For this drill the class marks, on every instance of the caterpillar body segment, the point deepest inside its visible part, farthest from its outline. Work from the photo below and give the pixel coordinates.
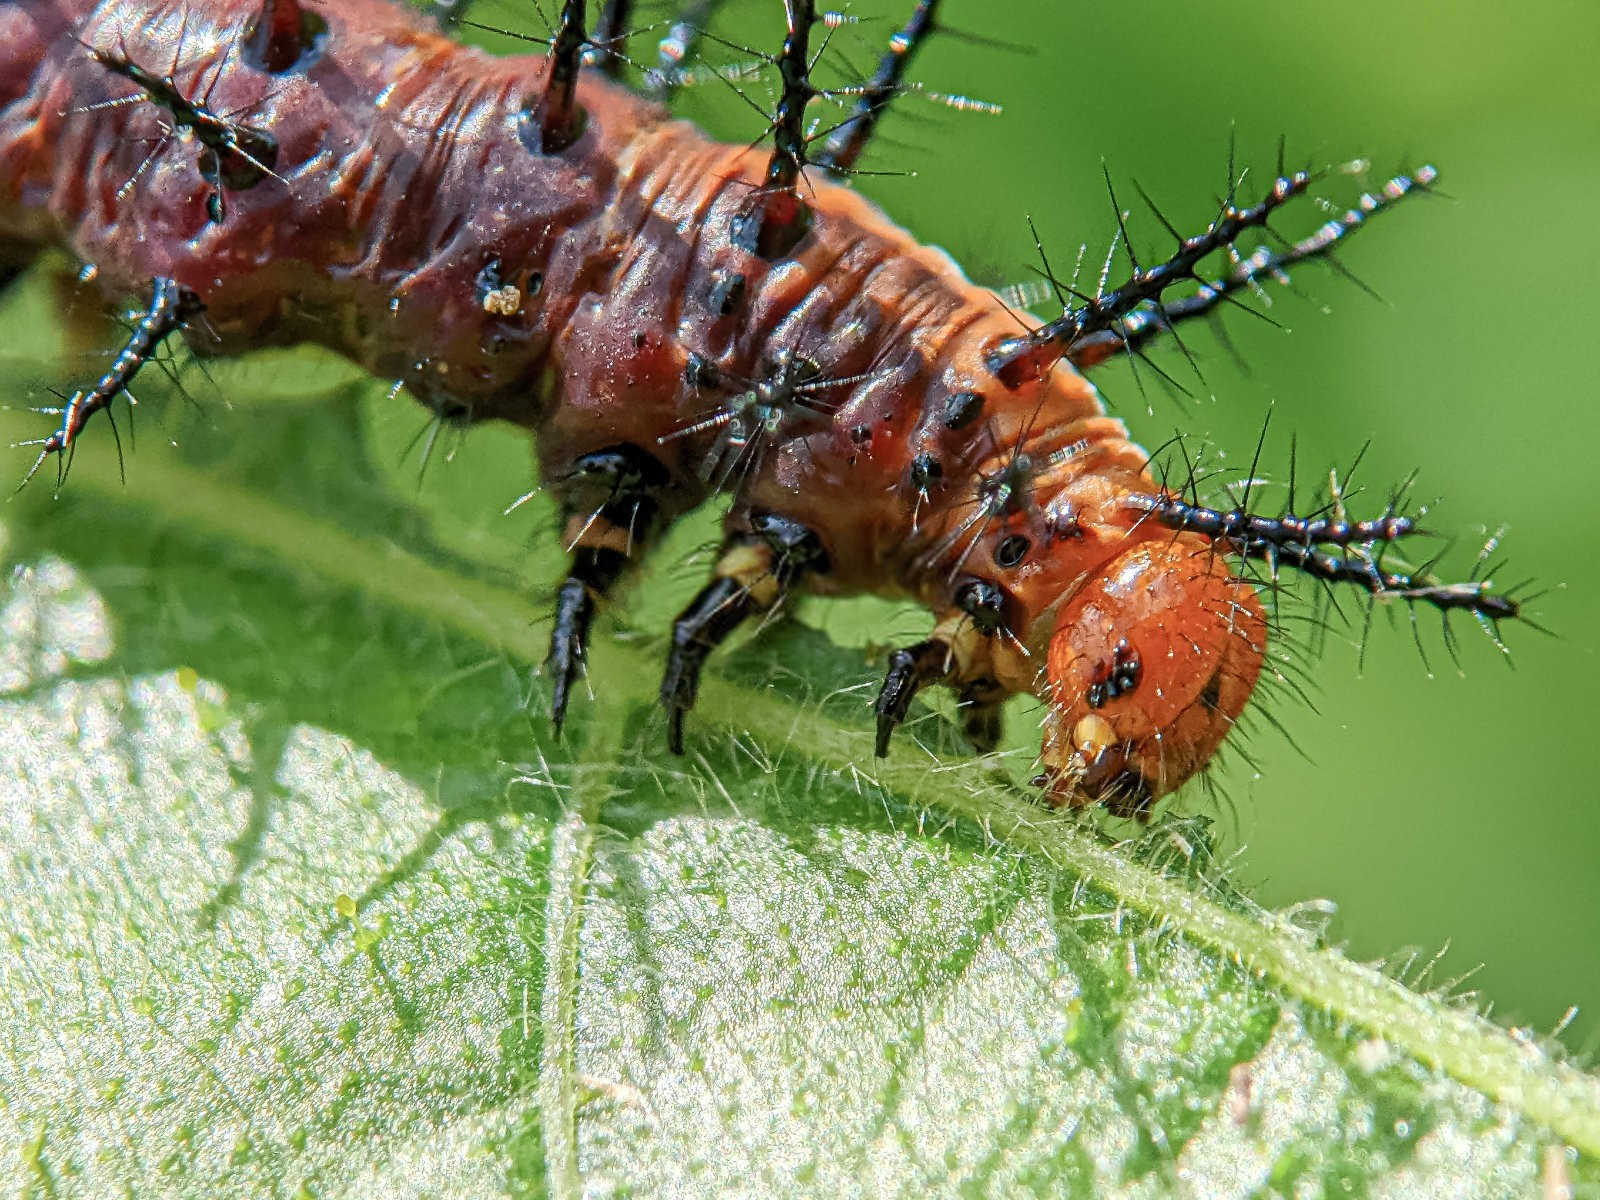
(521, 239)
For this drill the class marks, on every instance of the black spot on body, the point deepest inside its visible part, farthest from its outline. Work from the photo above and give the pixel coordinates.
(536, 139)
(961, 409)
(283, 36)
(1011, 550)
(984, 602)
(727, 293)
(1061, 522)
(925, 470)
(236, 170)
(489, 280)
(1126, 669)
(796, 545)
(773, 227)
(1118, 677)
(702, 373)
(623, 468)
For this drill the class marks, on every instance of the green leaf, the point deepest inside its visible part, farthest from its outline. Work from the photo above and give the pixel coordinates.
(302, 898)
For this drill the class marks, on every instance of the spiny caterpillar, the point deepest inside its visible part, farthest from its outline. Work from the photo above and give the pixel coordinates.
(524, 239)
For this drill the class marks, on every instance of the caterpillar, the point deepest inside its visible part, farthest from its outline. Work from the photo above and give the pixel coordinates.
(523, 239)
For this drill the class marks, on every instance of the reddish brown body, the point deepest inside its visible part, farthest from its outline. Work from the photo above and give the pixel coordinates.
(411, 228)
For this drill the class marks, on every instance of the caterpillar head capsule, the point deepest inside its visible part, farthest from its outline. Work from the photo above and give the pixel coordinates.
(1150, 664)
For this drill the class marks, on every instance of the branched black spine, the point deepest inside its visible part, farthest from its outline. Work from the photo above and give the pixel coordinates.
(845, 144)
(1144, 324)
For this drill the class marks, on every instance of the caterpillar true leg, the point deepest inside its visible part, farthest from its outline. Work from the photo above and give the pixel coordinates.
(754, 572)
(910, 669)
(591, 576)
(611, 497)
(171, 307)
(958, 653)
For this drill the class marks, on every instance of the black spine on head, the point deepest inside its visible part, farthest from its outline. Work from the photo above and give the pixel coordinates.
(1299, 543)
(1240, 525)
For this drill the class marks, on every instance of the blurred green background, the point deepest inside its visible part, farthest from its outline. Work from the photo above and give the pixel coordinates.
(1452, 808)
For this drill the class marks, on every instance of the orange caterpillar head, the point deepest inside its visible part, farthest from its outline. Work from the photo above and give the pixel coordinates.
(1150, 664)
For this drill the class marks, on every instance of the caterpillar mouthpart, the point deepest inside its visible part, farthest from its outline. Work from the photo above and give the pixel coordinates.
(1150, 664)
